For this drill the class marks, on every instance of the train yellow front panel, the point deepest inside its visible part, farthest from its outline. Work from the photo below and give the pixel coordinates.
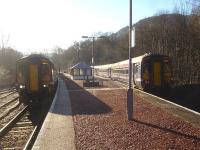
(157, 73)
(33, 78)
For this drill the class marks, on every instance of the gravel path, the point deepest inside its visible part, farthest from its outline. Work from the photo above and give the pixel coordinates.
(100, 122)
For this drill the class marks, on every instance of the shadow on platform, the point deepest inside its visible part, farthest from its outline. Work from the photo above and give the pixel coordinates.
(83, 102)
(185, 95)
(167, 130)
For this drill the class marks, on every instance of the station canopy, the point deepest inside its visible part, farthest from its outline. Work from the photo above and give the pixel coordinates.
(81, 71)
(81, 65)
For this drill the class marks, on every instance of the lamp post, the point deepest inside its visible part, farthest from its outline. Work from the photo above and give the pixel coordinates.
(77, 46)
(93, 38)
(130, 89)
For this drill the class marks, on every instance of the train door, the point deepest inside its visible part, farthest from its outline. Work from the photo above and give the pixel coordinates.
(157, 73)
(33, 78)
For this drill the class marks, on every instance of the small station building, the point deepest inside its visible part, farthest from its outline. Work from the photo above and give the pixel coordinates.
(81, 71)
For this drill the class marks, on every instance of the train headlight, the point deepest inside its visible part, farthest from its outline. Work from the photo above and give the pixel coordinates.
(21, 86)
(44, 85)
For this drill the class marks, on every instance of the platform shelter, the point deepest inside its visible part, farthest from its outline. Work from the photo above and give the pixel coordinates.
(81, 71)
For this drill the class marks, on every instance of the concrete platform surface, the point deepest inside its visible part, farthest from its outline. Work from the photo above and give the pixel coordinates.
(57, 132)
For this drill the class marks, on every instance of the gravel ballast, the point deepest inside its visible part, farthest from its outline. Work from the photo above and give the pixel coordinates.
(100, 122)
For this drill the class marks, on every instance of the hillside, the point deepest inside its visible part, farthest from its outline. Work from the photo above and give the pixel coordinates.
(171, 34)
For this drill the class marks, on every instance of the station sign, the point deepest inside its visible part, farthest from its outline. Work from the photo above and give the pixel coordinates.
(133, 37)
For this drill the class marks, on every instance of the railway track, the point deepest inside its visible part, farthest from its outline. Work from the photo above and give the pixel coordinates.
(16, 129)
(9, 105)
(7, 94)
(9, 109)
(7, 90)
(19, 132)
(19, 124)
(8, 102)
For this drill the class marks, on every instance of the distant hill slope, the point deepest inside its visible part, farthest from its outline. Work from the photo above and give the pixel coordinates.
(175, 35)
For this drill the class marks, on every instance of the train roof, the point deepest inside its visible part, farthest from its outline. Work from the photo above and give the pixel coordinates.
(125, 63)
(33, 57)
(121, 63)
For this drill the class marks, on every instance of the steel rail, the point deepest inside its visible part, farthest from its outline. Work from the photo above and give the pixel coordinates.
(31, 139)
(12, 100)
(5, 129)
(8, 95)
(6, 90)
(8, 111)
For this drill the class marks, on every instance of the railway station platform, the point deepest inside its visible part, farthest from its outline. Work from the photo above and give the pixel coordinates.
(57, 131)
(96, 118)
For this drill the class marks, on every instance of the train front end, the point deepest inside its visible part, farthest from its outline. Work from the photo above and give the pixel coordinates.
(156, 72)
(34, 78)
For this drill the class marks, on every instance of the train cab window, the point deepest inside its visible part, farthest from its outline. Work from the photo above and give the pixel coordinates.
(46, 72)
(145, 72)
(45, 69)
(20, 74)
(166, 68)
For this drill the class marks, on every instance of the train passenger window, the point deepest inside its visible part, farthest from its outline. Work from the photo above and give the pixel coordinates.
(125, 71)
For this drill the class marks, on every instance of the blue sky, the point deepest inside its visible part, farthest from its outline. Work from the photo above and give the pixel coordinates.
(38, 25)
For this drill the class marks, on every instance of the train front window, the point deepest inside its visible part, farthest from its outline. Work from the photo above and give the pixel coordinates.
(45, 71)
(166, 68)
(167, 71)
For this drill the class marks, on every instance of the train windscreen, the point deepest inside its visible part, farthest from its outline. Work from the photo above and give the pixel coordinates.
(167, 71)
(46, 72)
